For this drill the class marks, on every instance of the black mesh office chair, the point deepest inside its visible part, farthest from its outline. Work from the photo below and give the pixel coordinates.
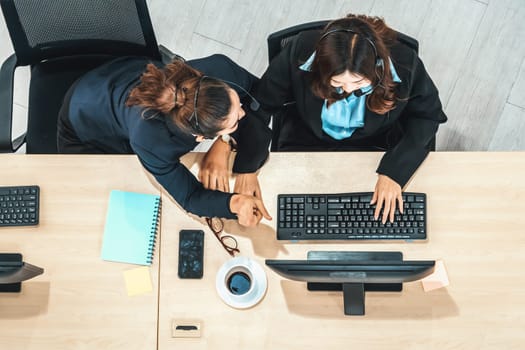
(278, 40)
(60, 40)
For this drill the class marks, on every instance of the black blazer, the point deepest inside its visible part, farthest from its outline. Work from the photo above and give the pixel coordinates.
(415, 118)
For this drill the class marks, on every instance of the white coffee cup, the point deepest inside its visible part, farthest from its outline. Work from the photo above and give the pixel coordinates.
(241, 282)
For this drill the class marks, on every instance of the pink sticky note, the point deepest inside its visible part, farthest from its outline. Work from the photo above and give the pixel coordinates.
(438, 279)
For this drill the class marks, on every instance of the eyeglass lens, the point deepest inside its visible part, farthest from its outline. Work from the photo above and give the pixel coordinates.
(228, 242)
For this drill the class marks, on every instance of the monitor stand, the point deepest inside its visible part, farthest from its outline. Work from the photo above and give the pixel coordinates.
(354, 293)
(10, 287)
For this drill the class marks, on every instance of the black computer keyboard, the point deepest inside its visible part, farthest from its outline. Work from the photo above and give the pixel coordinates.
(347, 216)
(19, 205)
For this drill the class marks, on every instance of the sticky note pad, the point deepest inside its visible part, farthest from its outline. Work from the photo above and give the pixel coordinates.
(138, 281)
(436, 280)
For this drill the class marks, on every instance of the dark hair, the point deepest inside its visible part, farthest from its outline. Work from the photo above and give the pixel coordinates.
(342, 51)
(170, 92)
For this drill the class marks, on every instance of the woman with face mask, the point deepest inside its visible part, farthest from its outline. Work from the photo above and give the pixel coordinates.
(354, 86)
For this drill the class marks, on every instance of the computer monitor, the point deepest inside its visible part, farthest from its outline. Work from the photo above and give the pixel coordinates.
(13, 270)
(353, 273)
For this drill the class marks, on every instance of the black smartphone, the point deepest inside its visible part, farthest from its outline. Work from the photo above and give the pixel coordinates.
(191, 253)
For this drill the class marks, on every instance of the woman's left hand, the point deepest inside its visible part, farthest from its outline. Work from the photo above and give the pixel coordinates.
(387, 194)
(214, 173)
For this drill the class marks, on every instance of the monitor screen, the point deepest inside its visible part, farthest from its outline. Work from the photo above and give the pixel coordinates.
(353, 273)
(13, 270)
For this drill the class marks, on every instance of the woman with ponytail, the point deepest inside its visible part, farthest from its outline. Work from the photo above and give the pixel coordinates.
(355, 86)
(133, 105)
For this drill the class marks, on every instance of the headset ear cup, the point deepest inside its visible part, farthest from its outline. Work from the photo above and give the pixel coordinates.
(380, 72)
(254, 105)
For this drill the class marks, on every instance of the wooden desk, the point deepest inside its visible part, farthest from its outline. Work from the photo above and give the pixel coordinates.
(476, 220)
(80, 302)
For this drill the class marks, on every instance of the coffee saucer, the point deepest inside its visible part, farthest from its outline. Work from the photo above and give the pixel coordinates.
(247, 271)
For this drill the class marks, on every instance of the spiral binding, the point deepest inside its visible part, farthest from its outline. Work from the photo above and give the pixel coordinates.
(154, 230)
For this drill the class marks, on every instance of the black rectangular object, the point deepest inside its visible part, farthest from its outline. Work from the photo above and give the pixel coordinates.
(19, 205)
(191, 253)
(348, 216)
(16, 259)
(353, 273)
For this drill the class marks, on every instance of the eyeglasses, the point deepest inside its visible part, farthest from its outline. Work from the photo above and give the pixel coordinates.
(228, 242)
(194, 114)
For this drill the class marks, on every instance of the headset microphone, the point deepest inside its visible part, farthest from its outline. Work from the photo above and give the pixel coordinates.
(358, 93)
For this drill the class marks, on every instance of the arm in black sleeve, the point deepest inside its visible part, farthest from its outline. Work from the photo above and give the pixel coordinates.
(253, 135)
(420, 120)
(253, 139)
(271, 91)
(274, 88)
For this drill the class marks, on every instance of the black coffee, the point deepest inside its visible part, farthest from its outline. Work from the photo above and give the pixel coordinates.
(239, 283)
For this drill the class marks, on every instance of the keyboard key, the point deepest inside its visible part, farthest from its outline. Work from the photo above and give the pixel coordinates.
(417, 205)
(336, 205)
(365, 199)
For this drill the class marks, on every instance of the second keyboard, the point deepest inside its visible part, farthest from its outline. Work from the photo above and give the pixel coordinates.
(347, 216)
(19, 205)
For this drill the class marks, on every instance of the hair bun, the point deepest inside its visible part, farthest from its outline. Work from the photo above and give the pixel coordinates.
(180, 97)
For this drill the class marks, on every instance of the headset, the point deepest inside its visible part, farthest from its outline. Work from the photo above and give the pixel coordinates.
(379, 60)
(254, 105)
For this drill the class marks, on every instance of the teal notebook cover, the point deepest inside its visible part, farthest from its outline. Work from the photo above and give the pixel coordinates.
(131, 227)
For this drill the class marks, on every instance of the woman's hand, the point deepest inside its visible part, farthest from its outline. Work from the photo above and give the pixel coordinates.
(387, 193)
(249, 209)
(213, 172)
(248, 184)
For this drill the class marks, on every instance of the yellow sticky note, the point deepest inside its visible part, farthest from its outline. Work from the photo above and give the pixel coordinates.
(438, 279)
(138, 281)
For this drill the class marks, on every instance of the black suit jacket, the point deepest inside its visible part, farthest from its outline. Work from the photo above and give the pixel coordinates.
(415, 118)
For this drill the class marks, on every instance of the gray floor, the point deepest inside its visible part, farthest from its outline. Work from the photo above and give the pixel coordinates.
(474, 50)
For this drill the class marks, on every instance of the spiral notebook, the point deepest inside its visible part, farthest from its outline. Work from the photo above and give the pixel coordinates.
(131, 227)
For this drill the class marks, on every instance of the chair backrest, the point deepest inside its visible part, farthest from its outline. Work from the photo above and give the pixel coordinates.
(63, 39)
(408, 41)
(278, 40)
(47, 29)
